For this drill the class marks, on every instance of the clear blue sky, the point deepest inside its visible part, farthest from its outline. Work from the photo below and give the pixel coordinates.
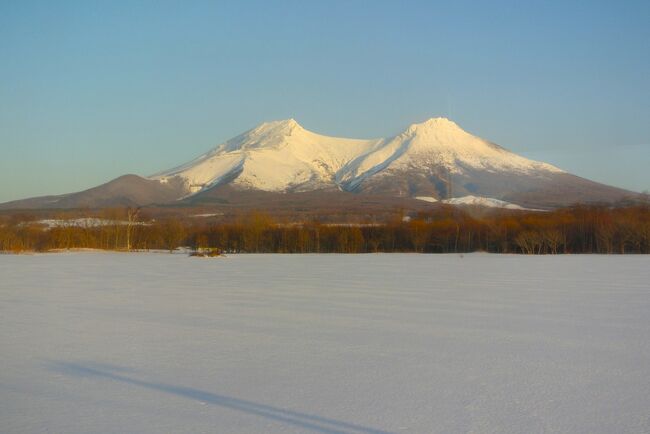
(93, 90)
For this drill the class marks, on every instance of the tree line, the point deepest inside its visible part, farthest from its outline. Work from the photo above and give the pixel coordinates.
(579, 229)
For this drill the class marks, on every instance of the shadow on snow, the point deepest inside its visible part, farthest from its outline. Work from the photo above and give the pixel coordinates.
(303, 420)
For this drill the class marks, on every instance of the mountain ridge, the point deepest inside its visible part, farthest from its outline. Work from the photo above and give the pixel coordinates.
(284, 156)
(435, 158)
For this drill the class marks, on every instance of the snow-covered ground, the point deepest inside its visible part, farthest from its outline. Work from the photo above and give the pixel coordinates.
(85, 222)
(151, 343)
(487, 202)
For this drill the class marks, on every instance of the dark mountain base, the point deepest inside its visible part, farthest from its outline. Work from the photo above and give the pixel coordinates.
(125, 191)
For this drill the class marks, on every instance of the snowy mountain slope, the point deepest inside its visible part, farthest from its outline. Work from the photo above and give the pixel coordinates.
(488, 202)
(275, 156)
(283, 156)
(440, 146)
(470, 200)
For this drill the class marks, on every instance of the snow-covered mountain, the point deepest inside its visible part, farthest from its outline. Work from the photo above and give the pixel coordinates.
(435, 159)
(282, 156)
(275, 156)
(440, 148)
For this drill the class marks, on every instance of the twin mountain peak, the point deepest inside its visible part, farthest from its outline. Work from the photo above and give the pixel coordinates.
(282, 156)
(435, 160)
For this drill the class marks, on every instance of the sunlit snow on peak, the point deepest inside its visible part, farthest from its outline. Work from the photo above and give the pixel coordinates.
(282, 156)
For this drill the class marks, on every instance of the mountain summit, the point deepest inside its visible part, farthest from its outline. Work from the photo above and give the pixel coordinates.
(274, 156)
(282, 156)
(435, 160)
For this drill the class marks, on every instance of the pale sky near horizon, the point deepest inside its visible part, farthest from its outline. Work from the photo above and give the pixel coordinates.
(93, 90)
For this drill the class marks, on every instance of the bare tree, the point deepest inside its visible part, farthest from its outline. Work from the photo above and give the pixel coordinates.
(132, 215)
(173, 233)
(529, 242)
(553, 239)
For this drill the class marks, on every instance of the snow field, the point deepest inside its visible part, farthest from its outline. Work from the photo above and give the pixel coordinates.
(118, 342)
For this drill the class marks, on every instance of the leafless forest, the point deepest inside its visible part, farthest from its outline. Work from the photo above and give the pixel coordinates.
(444, 230)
